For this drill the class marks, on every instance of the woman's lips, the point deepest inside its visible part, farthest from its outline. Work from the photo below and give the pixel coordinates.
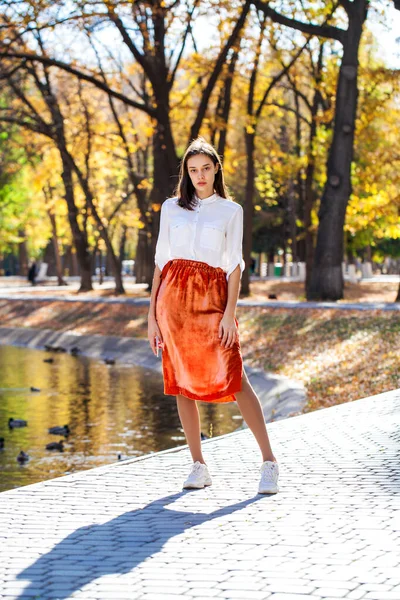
(202, 183)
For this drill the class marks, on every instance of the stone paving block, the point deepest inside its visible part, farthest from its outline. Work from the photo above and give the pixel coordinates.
(315, 572)
(370, 577)
(374, 587)
(244, 595)
(283, 596)
(114, 595)
(205, 576)
(156, 587)
(382, 596)
(24, 597)
(356, 594)
(121, 586)
(287, 588)
(241, 583)
(387, 571)
(335, 583)
(18, 592)
(202, 593)
(161, 596)
(331, 592)
(274, 581)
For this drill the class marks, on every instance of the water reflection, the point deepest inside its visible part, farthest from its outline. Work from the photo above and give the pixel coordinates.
(110, 410)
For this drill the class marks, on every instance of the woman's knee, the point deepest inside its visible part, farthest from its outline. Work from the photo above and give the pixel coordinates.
(184, 401)
(245, 380)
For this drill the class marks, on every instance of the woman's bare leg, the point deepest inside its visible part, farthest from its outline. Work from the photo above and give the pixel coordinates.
(189, 415)
(250, 407)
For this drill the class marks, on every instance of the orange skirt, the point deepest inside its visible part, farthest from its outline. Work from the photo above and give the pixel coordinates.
(190, 304)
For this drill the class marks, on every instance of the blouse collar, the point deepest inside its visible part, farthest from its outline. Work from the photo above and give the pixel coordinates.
(208, 200)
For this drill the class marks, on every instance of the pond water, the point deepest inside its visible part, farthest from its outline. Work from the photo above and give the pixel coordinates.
(110, 410)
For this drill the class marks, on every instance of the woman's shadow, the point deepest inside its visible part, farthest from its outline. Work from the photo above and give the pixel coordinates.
(115, 547)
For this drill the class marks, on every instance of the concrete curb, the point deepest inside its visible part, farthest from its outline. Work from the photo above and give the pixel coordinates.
(280, 397)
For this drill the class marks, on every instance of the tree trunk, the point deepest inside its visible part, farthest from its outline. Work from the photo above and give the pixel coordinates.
(56, 249)
(109, 267)
(309, 199)
(79, 237)
(327, 278)
(248, 211)
(144, 262)
(165, 179)
(101, 274)
(57, 134)
(122, 244)
(224, 107)
(22, 255)
(298, 251)
(291, 217)
(116, 265)
(75, 267)
(309, 192)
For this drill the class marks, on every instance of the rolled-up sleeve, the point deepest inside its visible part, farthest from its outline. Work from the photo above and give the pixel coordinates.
(162, 254)
(234, 242)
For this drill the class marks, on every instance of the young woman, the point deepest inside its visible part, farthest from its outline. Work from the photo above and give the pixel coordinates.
(192, 315)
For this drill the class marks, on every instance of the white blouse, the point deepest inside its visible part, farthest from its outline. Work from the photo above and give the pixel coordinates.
(212, 233)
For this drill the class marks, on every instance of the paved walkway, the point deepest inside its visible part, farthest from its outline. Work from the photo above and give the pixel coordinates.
(391, 306)
(127, 530)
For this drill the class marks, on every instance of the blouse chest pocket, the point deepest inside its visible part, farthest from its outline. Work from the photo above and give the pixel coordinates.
(179, 233)
(212, 236)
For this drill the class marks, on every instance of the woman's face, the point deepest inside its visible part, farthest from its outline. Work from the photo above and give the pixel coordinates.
(202, 172)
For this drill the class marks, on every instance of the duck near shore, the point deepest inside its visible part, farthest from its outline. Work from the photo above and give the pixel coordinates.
(22, 457)
(13, 423)
(49, 348)
(56, 446)
(60, 430)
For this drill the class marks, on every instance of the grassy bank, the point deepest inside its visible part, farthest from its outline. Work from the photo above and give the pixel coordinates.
(339, 355)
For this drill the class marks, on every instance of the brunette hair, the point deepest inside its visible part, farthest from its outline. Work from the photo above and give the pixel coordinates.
(185, 189)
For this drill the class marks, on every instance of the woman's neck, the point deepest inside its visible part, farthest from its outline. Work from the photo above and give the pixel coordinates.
(203, 194)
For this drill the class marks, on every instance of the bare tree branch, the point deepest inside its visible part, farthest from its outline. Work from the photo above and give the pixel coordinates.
(183, 44)
(278, 77)
(327, 31)
(84, 76)
(217, 70)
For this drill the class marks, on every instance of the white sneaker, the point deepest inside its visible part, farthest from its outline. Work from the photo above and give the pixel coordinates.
(269, 478)
(198, 478)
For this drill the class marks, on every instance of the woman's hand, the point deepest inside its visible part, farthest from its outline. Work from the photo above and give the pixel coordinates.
(152, 331)
(227, 331)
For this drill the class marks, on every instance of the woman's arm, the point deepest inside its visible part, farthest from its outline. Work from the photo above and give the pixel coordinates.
(152, 325)
(234, 239)
(228, 330)
(161, 258)
(154, 290)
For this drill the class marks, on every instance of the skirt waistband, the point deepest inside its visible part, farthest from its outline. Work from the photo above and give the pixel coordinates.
(185, 262)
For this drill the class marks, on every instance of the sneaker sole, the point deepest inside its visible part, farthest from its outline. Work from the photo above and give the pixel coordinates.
(270, 491)
(191, 486)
